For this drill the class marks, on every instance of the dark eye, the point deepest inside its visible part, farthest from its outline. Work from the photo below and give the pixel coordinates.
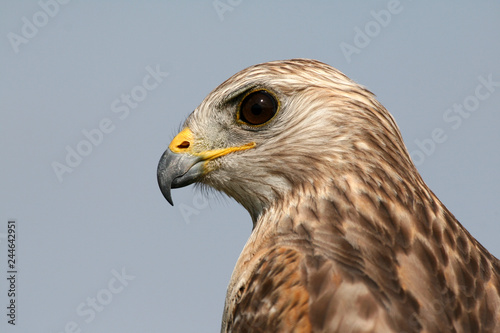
(258, 107)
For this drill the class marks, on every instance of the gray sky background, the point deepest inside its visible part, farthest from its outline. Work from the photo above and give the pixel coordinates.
(107, 217)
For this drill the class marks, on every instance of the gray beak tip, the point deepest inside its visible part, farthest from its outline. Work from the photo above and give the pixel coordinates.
(168, 196)
(177, 170)
(165, 187)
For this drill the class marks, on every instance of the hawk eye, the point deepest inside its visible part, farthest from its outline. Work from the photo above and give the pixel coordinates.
(258, 108)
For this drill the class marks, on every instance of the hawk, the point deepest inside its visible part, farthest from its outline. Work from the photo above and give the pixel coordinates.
(346, 235)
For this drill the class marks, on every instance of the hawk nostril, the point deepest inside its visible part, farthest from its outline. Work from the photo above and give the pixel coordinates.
(183, 145)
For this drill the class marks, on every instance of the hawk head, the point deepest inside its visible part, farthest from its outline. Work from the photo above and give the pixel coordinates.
(277, 126)
(341, 215)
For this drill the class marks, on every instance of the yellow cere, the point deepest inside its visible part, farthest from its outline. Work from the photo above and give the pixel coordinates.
(181, 140)
(183, 143)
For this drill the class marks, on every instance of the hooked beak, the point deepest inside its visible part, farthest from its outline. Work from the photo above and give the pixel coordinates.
(177, 170)
(180, 166)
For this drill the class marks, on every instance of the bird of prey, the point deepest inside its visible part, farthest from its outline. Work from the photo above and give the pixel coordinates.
(346, 235)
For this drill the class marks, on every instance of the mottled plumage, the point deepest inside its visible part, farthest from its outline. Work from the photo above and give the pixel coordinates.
(346, 235)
